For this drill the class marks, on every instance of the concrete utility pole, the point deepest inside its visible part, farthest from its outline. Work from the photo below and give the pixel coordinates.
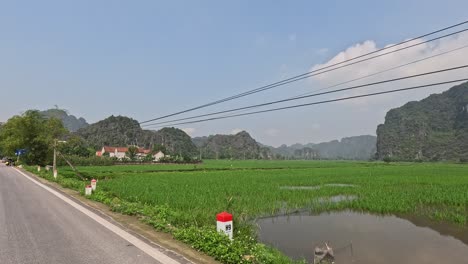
(55, 159)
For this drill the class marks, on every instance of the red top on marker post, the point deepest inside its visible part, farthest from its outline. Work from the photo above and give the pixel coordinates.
(224, 217)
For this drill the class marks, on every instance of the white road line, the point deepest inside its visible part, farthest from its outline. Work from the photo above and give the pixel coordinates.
(154, 253)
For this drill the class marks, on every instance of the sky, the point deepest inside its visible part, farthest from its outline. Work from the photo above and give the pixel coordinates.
(145, 59)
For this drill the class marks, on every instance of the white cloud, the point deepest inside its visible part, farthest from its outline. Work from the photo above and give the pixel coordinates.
(236, 130)
(189, 130)
(272, 132)
(456, 58)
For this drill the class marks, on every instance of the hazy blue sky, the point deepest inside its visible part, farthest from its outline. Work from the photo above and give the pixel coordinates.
(143, 59)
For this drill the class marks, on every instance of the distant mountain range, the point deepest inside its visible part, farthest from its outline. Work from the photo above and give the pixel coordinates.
(242, 145)
(433, 129)
(349, 148)
(238, 146)
(123, 131)
(70, 122)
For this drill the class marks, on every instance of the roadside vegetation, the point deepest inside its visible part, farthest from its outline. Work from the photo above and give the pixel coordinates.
(31, 133)
(184, 199)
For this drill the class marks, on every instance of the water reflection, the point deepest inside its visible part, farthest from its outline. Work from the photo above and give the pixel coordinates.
(374, 239)
(316, 187)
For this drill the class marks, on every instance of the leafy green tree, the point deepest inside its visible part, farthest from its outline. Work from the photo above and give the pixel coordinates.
(32, 132)
(132, 152)
(76, 146)
(148, 158)
(387, 159)
(159, 147)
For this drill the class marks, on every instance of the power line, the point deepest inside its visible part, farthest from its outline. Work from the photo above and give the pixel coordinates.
(319, 102)
(320, 71)
(383, 71)
(316, 94)
(352, 63)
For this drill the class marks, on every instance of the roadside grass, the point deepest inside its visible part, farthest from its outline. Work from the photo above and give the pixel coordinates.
(184, 201)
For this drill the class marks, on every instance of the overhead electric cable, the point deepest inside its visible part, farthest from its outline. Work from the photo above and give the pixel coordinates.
(383, 71)
(322, 70)
(312, 95)
(320, 102)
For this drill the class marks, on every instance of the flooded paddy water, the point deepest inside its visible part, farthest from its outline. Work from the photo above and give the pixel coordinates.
(316, 187)
(366, 238)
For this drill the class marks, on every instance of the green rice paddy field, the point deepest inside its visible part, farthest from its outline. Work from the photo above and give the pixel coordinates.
(189, 196)
(250, 189)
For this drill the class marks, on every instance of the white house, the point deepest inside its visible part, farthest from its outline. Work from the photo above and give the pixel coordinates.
(118, 152)
(121, 152)
(158, 156)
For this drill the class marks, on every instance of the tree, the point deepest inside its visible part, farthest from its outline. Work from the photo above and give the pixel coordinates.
(31, 132)
(148, 158)
(159, 147)
(132, 152)
(76, 146)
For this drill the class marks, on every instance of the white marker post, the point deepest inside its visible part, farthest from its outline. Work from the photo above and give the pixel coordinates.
(93, 184)
(88, 190)
(224, 224)
(38, 168)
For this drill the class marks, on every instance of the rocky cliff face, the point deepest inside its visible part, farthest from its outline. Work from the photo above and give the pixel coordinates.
(124, 131)
(238, 146)
(349, 148)
(435, 128)
(70, 122)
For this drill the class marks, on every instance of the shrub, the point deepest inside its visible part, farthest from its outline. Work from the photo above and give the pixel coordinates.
(387, 159)
(85, 161)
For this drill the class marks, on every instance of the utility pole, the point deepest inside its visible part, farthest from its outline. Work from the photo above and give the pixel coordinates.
(55, 159)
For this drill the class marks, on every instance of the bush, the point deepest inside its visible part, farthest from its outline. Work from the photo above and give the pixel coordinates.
(387, 159)
(85, 161)
(179, 159)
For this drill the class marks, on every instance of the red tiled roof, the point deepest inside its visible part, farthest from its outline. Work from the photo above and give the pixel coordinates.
(144, 151)
(121, 149)
(124, 149)
(112, 149)
(109, 149)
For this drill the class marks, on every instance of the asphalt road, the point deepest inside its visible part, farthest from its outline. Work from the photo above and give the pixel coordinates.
(36, 226)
